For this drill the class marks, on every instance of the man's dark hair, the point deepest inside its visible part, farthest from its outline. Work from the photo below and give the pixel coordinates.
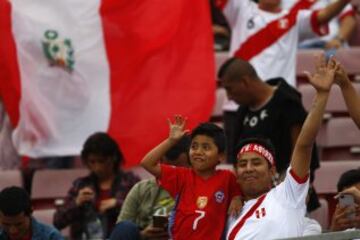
(15, 200)
(102, 144)
(213, 131)
(348, 179)
(265, 142)
(235, 68)
(180, 147)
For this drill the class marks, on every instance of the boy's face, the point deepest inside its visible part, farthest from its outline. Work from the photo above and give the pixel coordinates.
(17, 226)
(204, 154)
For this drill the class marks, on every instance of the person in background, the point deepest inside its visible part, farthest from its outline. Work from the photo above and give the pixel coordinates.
(16, 220)
(93, 202)
(146, 198)
(341, 27)
(349, 183)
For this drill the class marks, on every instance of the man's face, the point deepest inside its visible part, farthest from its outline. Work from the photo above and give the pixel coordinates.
(204, 154)
(16, 227)
(254, 174)
(236, 90)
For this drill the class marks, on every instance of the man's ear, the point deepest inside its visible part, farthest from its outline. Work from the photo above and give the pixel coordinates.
(273, 171)
(246, 81)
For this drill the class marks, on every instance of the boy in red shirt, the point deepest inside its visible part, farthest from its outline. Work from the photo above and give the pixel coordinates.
(203, 193)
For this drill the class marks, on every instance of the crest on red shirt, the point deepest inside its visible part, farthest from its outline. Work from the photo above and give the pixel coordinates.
(201, 202)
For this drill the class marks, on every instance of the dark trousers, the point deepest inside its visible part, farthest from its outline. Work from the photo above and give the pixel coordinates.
(125, 230)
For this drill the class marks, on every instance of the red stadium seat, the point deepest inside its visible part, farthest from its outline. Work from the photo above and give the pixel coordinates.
(140, 172)
(322, 214)
(339, 139)
(50, 185)
(335, 106)
(10, 178)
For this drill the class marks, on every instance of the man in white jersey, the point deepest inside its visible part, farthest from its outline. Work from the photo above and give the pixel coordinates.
(340, 28)
(271, 213)
(267, 36)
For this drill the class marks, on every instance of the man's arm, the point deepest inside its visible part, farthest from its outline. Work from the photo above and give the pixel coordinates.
(330, 11)
(151, 161)
(322, 80)
(352, 98)
(346, 28)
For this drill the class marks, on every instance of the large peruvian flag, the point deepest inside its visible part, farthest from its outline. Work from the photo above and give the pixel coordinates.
(69, 68)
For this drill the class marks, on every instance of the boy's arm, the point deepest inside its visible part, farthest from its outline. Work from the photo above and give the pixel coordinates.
(151, 161)
(321, 80)
(352, 98)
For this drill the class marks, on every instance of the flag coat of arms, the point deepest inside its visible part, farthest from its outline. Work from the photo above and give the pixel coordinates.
(71, 68)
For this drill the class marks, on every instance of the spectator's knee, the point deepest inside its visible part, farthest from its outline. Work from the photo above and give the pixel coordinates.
(125, 230)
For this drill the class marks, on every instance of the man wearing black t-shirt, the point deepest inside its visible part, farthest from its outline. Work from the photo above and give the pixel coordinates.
(271, 109)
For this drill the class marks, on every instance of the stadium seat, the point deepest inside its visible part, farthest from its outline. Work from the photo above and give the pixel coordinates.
(335, 106)
(50, 185)
(339, 139)
(140, 172)
(327, 176)
(322, 214)
(348, 57)
(10, 178)
(217, 113)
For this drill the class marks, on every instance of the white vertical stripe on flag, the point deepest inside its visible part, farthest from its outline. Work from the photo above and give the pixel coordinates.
(59, 108)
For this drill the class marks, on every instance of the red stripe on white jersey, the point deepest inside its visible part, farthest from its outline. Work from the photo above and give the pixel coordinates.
(347, 13)
(271, 33)
(240, 224)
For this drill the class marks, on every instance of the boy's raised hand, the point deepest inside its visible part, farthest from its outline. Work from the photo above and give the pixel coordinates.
(177, 130)
(324, 75)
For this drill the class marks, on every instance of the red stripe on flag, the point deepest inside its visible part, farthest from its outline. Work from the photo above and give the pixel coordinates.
(271, 33)
(240, 224)
(161, 64)
(9, 71)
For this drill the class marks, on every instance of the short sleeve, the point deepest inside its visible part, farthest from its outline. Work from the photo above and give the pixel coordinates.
(347, 11)
(172, 178)
(293, 190)
(308, 25)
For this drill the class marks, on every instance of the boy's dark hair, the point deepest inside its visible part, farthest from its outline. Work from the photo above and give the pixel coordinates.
(15, 200)
(234, 68)
(348, 179)
(180, 147)
(213, 131)
(102, 144)
(265, 142)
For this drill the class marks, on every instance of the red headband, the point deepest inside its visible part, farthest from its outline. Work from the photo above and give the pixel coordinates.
(259, 149)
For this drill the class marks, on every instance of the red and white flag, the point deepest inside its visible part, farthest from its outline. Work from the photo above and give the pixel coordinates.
(70, 68)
